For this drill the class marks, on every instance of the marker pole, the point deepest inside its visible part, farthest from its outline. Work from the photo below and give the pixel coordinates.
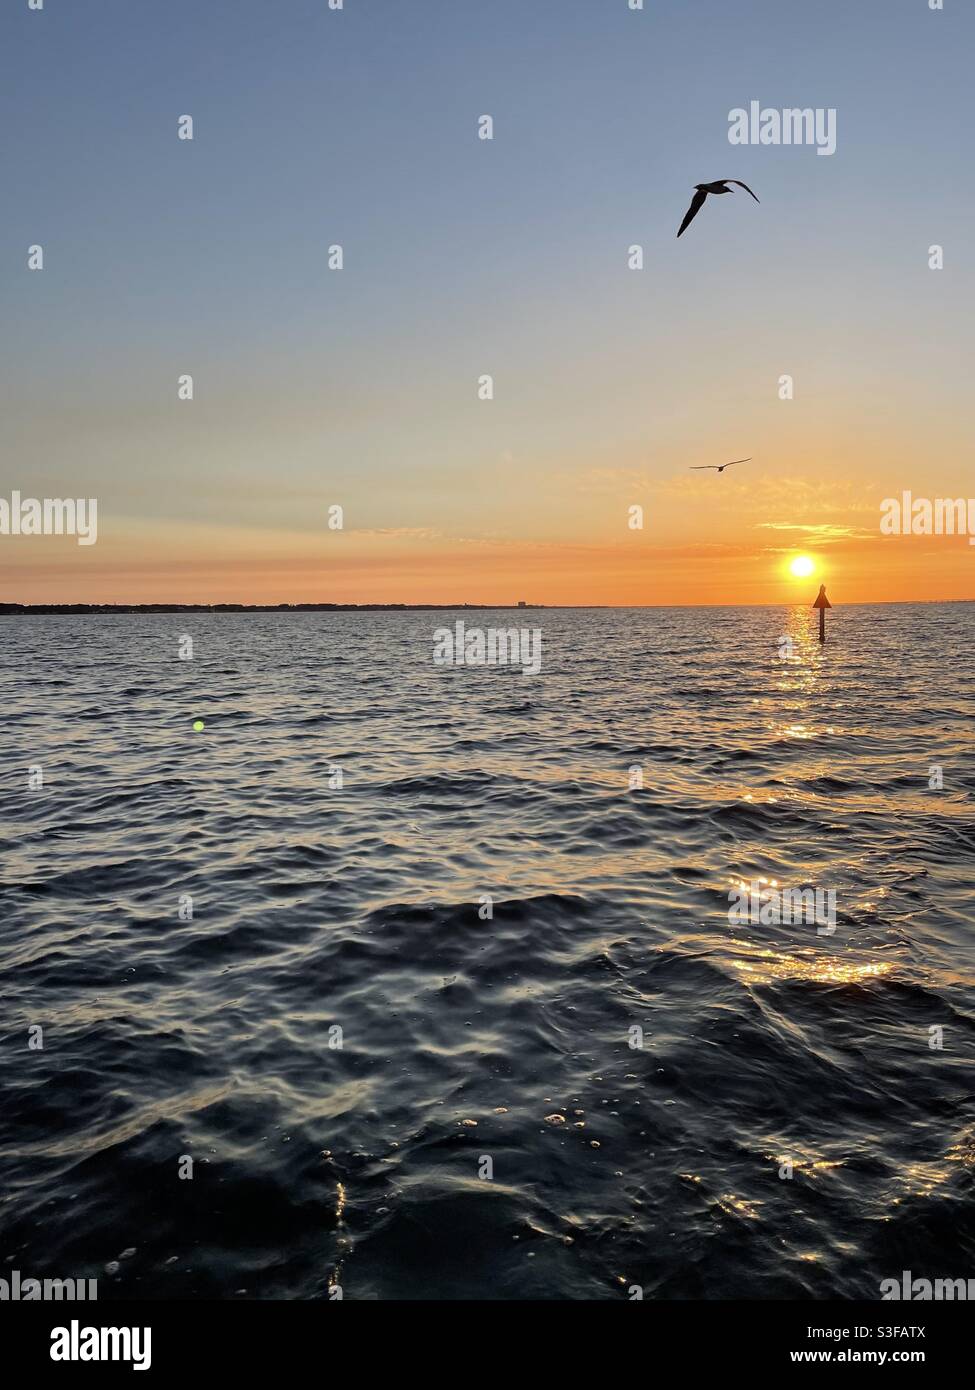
(822, 603)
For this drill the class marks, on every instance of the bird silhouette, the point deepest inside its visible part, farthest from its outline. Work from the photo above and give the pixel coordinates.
(719, 467)
(703, 189)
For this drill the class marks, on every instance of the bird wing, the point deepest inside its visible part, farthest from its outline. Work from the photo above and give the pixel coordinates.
(744, 186)
(696, 467)
(692, 211)
(728, 465)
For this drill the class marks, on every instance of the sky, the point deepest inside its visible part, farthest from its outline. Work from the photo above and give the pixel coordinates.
(462, 257)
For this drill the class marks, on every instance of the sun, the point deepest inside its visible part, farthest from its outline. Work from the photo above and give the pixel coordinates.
(802, 567)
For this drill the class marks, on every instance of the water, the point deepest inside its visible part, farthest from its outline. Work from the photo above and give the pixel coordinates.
(316, 907)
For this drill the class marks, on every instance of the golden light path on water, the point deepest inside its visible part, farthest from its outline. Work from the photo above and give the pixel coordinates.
(766, 966)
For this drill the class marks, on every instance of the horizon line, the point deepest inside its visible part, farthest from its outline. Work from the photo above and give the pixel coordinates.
(100, 609)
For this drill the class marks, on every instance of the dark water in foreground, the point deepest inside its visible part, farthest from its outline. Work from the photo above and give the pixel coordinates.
(316, 907)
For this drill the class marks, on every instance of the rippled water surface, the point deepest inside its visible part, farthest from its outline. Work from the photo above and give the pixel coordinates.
(472, 1042)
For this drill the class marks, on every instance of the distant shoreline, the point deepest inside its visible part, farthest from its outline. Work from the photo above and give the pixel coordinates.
(14, 610)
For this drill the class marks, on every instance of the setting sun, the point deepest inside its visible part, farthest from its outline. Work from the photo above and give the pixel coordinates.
(802, 567)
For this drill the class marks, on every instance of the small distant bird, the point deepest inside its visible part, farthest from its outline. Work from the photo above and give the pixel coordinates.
(719, 467)
(703, 189)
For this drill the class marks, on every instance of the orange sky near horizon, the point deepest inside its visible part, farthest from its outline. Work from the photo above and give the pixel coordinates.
(148, 563)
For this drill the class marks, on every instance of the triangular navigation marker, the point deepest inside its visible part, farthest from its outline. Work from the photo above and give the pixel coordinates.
(822, 603)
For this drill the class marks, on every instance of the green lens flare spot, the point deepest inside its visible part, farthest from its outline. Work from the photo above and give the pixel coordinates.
(198, 725)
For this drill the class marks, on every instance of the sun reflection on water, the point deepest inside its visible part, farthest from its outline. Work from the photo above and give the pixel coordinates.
(767, 966)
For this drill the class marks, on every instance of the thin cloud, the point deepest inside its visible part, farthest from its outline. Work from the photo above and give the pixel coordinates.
(826, 533)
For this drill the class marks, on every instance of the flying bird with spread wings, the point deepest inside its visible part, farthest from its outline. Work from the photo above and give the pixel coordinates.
(703, 189)
(719, 467)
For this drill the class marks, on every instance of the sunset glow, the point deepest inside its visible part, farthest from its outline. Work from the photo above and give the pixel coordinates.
(253, 386)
